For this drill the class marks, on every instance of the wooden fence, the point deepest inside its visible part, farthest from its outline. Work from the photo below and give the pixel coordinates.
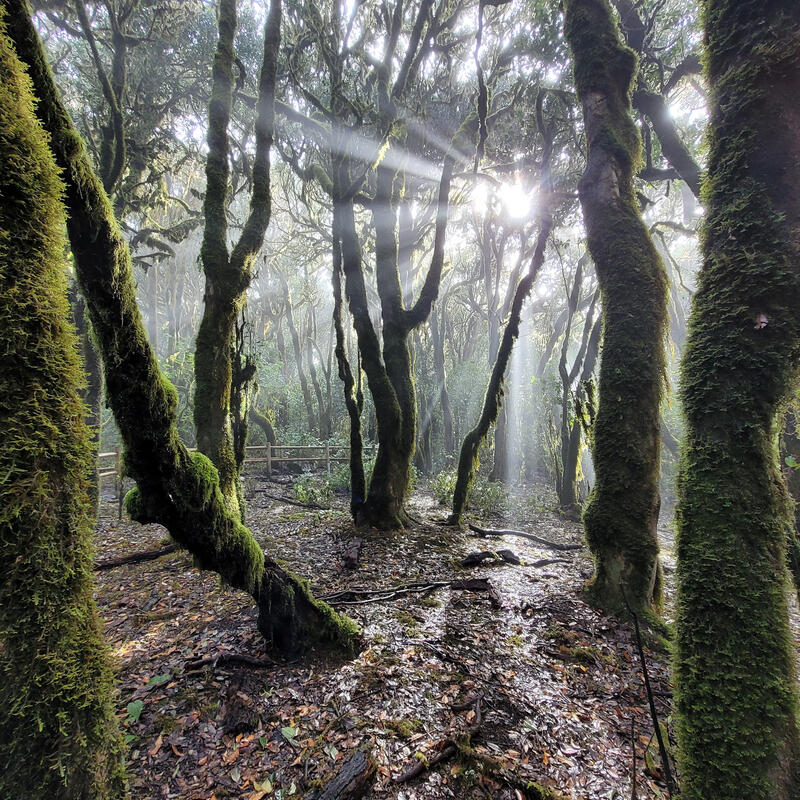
(108, 464)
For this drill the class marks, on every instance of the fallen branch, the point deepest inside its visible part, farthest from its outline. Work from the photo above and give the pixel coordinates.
(545, 562)
(352, 781)
(476, 559)
(538, 539)
(136, 558)
(291, 502)
(447, 749)
(357, 597)
(228, 660)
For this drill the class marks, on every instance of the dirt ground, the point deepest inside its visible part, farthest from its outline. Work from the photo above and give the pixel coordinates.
(551, 689)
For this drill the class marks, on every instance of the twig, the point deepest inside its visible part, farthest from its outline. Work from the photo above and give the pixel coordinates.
(136, 558)
(538, 539)
(650, 699)
(290, 501)
(633, 768)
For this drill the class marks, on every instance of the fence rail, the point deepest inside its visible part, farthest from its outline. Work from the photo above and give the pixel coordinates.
(109, 463)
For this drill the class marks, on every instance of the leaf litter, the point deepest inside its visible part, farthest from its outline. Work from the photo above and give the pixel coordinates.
(556, 683)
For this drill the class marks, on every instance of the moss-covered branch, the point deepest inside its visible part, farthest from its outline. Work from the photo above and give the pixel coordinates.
(175, 488)
(59, 734)
(622, 513)
(736, 679)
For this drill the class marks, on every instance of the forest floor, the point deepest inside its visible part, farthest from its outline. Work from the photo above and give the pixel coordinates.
(550, 688)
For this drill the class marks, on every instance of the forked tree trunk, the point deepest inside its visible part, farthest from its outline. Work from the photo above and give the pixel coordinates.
(228, 274)
(59, 733)
(736, 678)
(175, 488)
(622, 513)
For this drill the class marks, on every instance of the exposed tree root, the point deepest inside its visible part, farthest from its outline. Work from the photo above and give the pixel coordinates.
(136, 558)
(486, 532)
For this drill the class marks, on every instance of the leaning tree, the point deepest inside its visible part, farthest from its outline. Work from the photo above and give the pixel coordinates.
(176, 488)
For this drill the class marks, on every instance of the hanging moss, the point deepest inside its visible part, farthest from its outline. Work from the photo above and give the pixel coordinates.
(622, 513)
(59, 736)
(735, 666)
(175, 488)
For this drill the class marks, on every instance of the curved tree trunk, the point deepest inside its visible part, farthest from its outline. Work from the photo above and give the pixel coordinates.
(468, 459)
(622, 513)
(60, 737)
(736, 676)
(175, 488)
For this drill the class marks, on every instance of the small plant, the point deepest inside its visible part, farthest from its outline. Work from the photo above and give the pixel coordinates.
(313, 490)
(443, 485)
(488, 497)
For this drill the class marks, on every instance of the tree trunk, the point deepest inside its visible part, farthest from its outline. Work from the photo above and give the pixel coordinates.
(736, 688)
(175, 488)
(622, 513)
(60, 737)
(438, 333)
(468, 459)
(228, 274)
(298, 354)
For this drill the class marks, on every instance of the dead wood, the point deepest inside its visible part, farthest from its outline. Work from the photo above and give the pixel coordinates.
(352, 781)
(136, 558)
(545, 562)
(447, 749)
(229, 660)
(289, 500)
(352, 554)
(538, 539)
(476, 559)
(356, 597)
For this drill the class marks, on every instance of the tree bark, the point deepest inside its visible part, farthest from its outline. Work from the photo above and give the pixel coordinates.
(60, 737)
(175, 488)
(622, 513)
(228, 274)
(468, 459)
(736, 689)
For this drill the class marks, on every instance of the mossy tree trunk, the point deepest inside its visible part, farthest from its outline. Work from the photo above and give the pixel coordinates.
(736, 688)
(60, 737)
(228, 274)
(175, 488)
(622, 513)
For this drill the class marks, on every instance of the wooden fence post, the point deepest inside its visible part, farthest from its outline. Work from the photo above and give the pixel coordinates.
(269, 459)
(118, 466)
(328, 457)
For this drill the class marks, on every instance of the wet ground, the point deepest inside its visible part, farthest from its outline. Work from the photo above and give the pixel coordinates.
(559, 685)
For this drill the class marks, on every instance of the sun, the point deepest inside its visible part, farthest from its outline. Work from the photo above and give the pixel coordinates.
(514, 200)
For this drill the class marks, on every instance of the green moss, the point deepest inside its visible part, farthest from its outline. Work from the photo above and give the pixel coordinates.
(735, 671)
(60, 737)
(622, 512)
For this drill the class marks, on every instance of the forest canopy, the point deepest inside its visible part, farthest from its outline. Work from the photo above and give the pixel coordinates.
(431, 270)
